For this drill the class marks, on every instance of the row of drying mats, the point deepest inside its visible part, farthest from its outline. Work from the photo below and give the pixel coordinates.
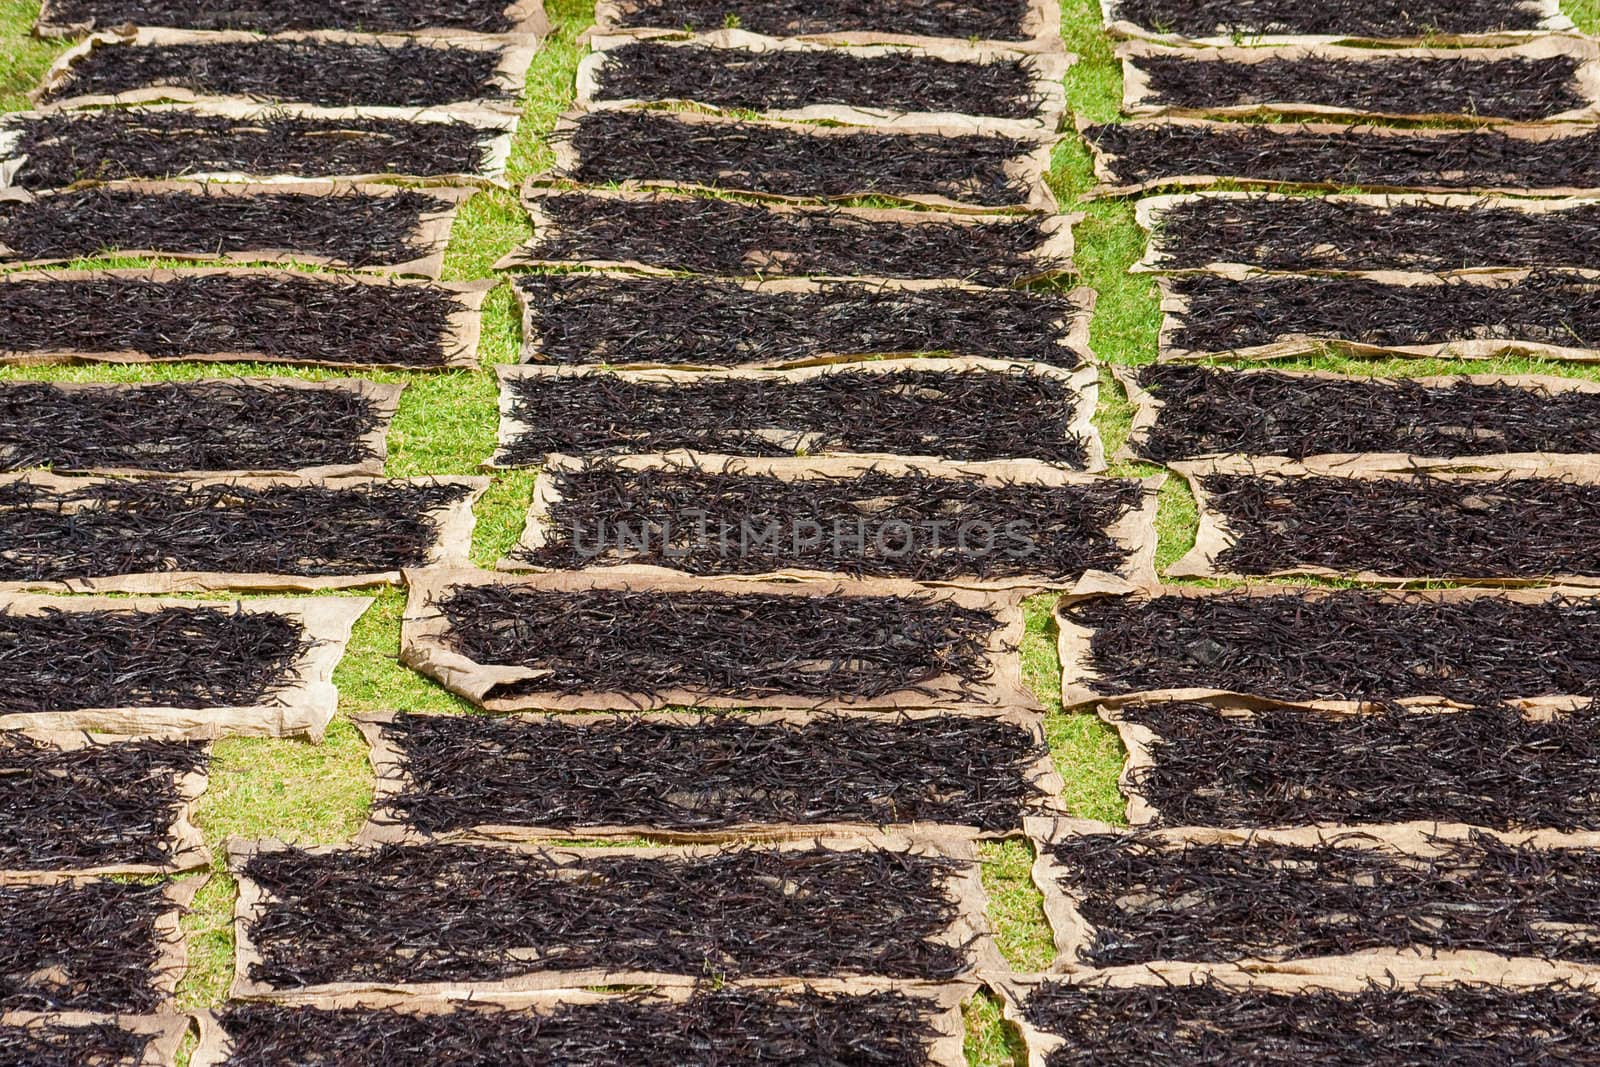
(455, 925)
(1344, 848)
(106, 743)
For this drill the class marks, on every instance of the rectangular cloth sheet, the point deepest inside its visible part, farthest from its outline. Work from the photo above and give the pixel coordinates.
(629, 321)
(1001, 525)
(72, 18)
(964, 409)
(1539, 159)
(916, 1024)
(106, 1040)
(261, 667)
(628, 639)
(92, 944)
(703, 776)
(171, 536)
(243, 140)
(215, 314)
(1439, 22)
(326, 69)
(1341, 649)
(80, 803)
(937, 166)
(1549, 79)
(245, 426)
(1475, 522)
(672, 233)
(1231, 762)
(1254, 1017)
(1412, 233)
(385, 229)
(509, 917)
(1186, 411)
(1539, 314)
(1023, 25)
(1328, 895)
(968, 87)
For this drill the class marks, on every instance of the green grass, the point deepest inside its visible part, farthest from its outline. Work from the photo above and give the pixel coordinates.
(446, 425)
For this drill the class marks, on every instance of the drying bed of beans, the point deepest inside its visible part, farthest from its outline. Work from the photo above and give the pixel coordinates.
(799, 161)
(470, 913)
(1387, 19)
(354, 228)
(1167, 1024)
(1147, 898)
(918, 523)
(324, 73)
(961, 411)
(784, 80)
(276, 317)
(1523, 88)
(1208, 411)
(91, 806)
(1488, 765)
(704, 235)
(1343, 644)
(710, 773)
(198, 657)
(93, 946)
(728, 1024)
(1413, 525)
(1002, 20)
(1150, 154)
(1554, 309)
(370, 16)
(588, 319)
(1314, 233)
(174, 427)
(65, 147)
